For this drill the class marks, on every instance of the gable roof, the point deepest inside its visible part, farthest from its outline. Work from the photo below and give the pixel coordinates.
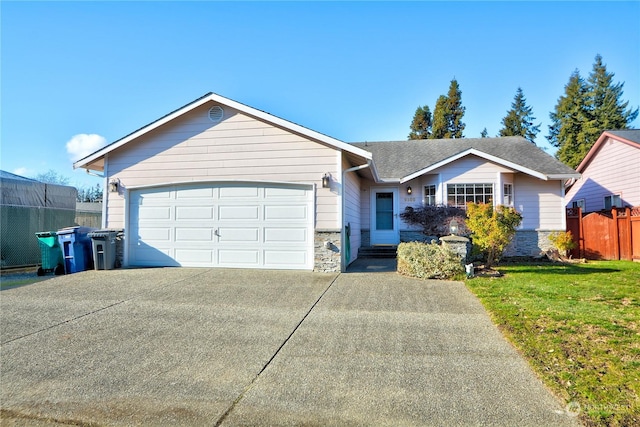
(401, 161)
(627, 136)
(94, 161)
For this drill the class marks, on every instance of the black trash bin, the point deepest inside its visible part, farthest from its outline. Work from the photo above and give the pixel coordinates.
(103, 243)
(76, 248)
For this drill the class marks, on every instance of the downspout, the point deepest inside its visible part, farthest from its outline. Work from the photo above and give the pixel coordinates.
(343, 236)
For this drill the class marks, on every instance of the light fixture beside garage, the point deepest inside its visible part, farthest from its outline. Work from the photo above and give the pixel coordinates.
(409, 190)
(113, 186)
(326, 180)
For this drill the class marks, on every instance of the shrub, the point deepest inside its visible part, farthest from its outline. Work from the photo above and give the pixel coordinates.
(492, 229)
(563, 241)
(428, 261)
(434, 220)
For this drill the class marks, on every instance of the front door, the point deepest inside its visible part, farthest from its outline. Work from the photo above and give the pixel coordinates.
(384, 216)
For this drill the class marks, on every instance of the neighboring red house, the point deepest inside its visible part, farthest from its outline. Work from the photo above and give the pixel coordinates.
(610, 173)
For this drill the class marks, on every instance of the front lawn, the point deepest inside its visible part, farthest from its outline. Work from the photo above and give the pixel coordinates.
(579, 327)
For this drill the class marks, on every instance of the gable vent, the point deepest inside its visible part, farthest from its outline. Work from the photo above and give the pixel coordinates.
(215, 114)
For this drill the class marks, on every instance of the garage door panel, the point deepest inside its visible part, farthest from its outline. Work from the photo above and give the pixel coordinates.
(154, 212)
(186, 235)
(194, 212)
(280, 192)
(285, 212)
(234, 257)
(285, 235)
(160, 234)
(233, 213)
(235, 192)
(204, 257)
(195, 193)
(278, 259)
(238, 235)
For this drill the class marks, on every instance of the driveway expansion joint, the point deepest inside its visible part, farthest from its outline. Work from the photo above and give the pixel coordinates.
(266, 365)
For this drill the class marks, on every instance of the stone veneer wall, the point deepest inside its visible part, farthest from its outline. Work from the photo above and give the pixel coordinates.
(327, 257)
(530, 243)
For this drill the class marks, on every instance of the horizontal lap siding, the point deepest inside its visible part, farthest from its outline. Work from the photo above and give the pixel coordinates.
(613, 170)
(352, 209)
(192, 148)
(540, 203)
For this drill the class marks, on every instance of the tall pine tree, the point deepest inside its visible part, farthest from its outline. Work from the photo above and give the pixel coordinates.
(586, 109)
(519, 120)
(440, 119)
(447, 116)
(608, 109)
(421, 124)
(570, 122)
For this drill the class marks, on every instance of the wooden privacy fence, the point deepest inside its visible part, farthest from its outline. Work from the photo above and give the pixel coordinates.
(608, 235)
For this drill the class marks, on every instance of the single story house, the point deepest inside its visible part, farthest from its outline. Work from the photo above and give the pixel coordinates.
(217, 183)
(610, 173)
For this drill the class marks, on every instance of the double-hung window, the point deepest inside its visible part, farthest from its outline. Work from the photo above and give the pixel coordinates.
(507, 195)
(430, 195)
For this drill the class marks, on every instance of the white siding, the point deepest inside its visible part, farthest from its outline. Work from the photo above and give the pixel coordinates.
(191, 149)
(352, 209)
(540, 203)
(614, 169)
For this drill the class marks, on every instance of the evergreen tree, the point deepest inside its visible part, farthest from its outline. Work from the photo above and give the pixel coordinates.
(456, 110)
(585, 111)
(570, 122)
(519, 120)
(609, 111)
(484, 133)
(440, 124)
(447, 116)
(421, 124)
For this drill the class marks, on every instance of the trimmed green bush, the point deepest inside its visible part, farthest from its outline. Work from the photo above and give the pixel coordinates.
(428, 261)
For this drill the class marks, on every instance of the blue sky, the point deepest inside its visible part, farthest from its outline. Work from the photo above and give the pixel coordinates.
(353, 70)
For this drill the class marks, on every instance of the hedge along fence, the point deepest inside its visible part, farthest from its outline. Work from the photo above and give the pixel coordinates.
(428, 261)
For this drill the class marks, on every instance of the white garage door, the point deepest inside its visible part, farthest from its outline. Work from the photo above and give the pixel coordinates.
(243, 225)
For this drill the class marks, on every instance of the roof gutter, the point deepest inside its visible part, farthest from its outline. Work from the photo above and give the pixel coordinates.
(343, 232)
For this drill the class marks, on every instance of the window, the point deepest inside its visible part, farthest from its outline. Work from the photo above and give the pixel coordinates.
(612, 200)
(460, 194)
(507, 195)
(578, 204)
(430, 195)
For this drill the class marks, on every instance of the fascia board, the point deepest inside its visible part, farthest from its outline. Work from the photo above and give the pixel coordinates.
(473, 151)
(237, 106)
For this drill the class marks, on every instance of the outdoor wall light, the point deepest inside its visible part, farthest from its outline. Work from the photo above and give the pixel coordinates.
(113, 186)
(326, 180)
(409, 190)
(453, 227)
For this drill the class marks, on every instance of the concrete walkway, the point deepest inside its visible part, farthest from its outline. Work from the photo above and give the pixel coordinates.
(235, 347)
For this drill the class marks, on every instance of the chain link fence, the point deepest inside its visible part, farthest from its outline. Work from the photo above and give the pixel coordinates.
(19, 225)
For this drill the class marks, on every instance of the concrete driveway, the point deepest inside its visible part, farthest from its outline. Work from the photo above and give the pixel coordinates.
(179, 346)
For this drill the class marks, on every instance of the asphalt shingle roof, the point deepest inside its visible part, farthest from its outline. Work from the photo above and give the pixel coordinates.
(395, 160)
(628, 134)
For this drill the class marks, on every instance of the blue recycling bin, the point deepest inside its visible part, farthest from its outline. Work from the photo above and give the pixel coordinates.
(76, 248)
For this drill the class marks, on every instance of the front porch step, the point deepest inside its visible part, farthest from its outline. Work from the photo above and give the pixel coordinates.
(386, 251)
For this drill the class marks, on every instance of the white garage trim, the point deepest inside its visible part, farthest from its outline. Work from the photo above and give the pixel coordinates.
(221, 224)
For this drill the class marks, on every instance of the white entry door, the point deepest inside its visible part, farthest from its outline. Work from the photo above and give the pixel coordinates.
(385, 222)
(246, 225)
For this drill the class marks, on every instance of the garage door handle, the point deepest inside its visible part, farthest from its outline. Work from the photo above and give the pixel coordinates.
(217, 233)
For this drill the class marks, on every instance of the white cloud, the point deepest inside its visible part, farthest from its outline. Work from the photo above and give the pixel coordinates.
(83, 144)
(21, 171)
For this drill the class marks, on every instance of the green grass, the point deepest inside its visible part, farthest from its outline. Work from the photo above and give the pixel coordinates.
(579, 327)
